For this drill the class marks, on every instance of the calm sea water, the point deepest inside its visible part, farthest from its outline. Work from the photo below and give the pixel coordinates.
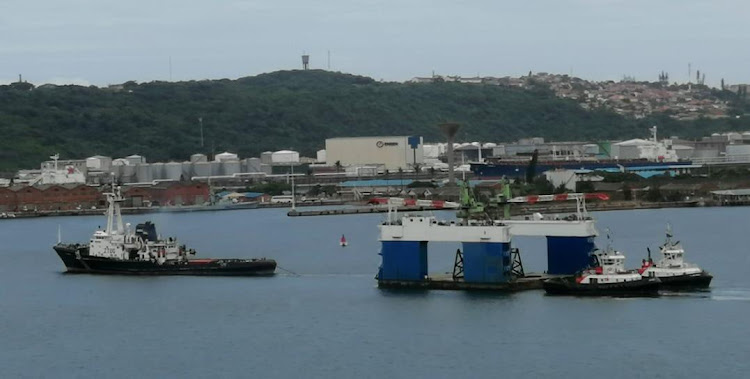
(330, 320)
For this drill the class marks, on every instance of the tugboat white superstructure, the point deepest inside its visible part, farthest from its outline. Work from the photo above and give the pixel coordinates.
(120, 250)
(607, 276)
(672, 270)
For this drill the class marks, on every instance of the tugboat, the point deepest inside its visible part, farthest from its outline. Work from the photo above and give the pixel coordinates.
(120, 250)
(672, 270)
(607, 276)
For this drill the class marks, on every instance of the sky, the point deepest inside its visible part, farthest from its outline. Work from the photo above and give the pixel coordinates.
(101, 42)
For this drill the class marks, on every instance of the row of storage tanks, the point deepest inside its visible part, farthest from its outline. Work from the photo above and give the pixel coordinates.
(134, 172)
(135, 169)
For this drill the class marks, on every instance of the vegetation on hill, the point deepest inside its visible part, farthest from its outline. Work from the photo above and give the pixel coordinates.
(290, 109)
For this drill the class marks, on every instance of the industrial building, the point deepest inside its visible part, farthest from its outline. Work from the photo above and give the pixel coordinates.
(400, 152)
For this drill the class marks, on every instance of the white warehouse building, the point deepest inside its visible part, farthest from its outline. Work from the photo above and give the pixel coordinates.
(392, 152)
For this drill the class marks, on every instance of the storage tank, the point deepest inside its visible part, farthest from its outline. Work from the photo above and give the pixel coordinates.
(215, 168)
(251, 165)
(201, 168)
(98, 163)
(226, 156)
(144, 173)
(116, 171)
(187, 170)
(320, 156)
(198, 158)
(173, 171)
(135, 159)
(285, 156)
(157, 170)
(738, 150)
(231, 167)
(734, 136)
(265, 157)
(128, 173)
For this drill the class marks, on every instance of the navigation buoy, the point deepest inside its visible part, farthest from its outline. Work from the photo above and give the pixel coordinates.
(343, 242)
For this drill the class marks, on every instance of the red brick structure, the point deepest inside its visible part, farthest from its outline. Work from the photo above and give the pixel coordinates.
(80, 196)
(166, 194)
(186, 193)
(50, 197)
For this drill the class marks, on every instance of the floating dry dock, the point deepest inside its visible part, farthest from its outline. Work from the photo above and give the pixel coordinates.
(448, 282)
(486, 260)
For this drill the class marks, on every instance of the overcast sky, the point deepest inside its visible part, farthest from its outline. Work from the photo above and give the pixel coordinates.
(103, 42)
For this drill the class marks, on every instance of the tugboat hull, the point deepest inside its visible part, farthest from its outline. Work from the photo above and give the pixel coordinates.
(77, 260)
(568, 286)
(686, 282)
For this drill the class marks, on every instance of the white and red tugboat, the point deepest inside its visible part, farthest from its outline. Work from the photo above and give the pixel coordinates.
(607, 276)
(672, 270)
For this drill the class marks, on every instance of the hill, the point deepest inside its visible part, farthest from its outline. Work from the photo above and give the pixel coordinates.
(290, 109)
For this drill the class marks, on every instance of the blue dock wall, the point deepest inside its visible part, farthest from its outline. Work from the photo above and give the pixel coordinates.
(486, 262)
(403, 260)
(568, 255)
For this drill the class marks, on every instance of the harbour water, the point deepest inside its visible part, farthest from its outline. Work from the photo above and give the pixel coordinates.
(325, 317)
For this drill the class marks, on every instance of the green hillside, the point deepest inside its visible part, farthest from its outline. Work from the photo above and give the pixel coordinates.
(289, 109)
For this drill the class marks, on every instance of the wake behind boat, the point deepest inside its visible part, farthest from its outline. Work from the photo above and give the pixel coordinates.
(120, 250)
(672, 269)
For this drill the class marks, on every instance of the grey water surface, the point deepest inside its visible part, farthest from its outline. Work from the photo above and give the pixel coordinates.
(323, 316)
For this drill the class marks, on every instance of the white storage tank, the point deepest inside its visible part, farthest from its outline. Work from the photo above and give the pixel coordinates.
(215, 168)
(98, 163)
(135, 159)
(226, 156)
(738, 150)
(187, 170)
(116, 170)
(251, 165)
(173, 171)
(320, 156)
(144, 173)
(265, 157)
(202, 168)
(285, 156)
(157, 171)
(231, 167)
(198, 158)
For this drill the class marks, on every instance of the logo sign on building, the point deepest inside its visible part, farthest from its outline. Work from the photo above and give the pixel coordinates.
(381, 144)
(414, 142)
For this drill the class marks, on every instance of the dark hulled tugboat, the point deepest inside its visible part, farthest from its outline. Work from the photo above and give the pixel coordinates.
(606, 277)
(672, 270)
(118, 250)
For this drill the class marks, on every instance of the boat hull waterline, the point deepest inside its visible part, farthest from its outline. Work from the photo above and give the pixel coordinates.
(686, 282)
(77, 260)
(635, 288)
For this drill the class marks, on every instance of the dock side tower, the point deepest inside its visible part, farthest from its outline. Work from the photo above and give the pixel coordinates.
(486, 249)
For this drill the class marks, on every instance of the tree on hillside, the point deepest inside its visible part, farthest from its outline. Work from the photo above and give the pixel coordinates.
(296, 108)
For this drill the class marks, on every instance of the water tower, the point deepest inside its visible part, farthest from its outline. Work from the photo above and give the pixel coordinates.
(450, 129)
(305, 62)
